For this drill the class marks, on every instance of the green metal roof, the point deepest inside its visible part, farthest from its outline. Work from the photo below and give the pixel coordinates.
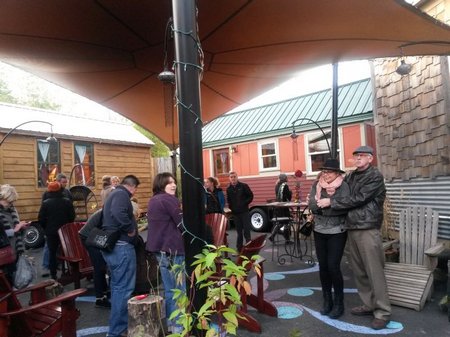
(355, 104)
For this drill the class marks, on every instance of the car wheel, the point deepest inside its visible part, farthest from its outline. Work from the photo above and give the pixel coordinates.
(258, 220)
(34, 236)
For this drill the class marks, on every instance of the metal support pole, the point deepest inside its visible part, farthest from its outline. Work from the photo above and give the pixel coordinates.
(334, 114)
(190, 126)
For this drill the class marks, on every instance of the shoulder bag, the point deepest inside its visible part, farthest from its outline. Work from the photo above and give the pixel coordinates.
(307, 228)
(7, 252)
(104, 239)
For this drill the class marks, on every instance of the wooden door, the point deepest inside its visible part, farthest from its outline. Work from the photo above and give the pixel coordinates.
(222, 165)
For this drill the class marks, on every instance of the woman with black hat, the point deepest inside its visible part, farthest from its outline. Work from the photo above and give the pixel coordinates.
(329, 236)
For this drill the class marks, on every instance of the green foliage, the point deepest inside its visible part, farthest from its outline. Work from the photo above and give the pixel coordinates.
(224, 280)
(159, 149)
(5, 94)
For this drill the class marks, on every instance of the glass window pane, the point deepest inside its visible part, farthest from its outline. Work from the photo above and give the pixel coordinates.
(269, 162)
(221, 162)
(84, 155)
(318, 160)
(268, 149)
(48, 162)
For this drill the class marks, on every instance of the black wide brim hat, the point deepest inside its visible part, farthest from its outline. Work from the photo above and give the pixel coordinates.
(332, 165)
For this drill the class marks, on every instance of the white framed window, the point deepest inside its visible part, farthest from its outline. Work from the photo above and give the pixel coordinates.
(317, 150)
(268, 155)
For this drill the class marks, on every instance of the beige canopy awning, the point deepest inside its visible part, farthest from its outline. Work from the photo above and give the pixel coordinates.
(112, 51)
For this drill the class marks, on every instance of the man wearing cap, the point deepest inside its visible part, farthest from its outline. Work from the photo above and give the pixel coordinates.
(363, 223)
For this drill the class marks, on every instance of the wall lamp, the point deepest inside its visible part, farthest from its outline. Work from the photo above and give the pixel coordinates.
(234, 149)
(50, 139)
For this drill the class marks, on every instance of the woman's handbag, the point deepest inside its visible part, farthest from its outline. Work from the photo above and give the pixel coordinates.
(7, 252)
(104, 239)
(307, 228)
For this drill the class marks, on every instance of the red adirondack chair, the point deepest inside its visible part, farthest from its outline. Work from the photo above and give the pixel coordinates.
(43, 317)
(74, 254)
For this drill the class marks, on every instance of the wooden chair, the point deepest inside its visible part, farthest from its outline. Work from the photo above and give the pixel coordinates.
(257, 301)
(218, 223)
(410, 281)
(74, 255)
(43, 318)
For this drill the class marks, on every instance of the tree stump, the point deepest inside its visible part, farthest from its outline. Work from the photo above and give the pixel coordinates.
(145, 316)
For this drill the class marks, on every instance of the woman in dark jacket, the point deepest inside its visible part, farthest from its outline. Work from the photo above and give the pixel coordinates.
(282, 194)
(330, 236)
(165, 239)
(55, 212)
(11, 226)
(215, 199)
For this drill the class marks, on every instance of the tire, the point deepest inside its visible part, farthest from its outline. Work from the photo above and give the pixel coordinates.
(258, 220)
(33, 236)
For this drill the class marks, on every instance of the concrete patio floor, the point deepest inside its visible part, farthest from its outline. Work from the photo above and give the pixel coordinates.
(294, 288)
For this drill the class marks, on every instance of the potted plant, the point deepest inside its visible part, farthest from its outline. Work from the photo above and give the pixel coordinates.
(224, 281)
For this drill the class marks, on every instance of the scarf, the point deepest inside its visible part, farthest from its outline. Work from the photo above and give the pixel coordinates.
(329, 187)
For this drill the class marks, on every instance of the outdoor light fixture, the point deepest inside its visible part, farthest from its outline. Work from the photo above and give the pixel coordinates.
(404, 68)
(234, 149)
(50, 139)
(167, 76)
(294, 134)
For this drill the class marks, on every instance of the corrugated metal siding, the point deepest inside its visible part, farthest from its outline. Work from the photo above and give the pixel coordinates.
(355, 103)
(434, 193)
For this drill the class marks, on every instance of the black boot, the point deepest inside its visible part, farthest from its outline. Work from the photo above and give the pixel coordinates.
(338, 307)
(327, 303)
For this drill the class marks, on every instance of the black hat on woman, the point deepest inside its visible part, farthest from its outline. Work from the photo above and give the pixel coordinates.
(332, 165)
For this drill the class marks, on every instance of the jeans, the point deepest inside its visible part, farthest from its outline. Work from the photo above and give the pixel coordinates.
(46, 258)
(53, 244)
(329, 250)
(122, 265)
(99, 265)
(169, 279)
(242, 223)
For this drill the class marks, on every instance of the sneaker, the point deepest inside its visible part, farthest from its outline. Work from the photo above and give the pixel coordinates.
(45, 272)
(102, 302)
(378, 324)
(361, 311)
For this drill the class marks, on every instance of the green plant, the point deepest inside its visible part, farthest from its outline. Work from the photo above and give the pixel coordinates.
(224, 281)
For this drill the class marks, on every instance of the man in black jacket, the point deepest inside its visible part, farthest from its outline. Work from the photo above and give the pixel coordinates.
(239, 196)
(363, 223)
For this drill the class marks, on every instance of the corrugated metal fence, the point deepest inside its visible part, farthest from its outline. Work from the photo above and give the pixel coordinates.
(434, 193)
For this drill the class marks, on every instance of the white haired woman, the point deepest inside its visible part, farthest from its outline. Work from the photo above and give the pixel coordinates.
(10, 226)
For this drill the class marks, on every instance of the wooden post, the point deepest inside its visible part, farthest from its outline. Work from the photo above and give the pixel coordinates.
(145, 315)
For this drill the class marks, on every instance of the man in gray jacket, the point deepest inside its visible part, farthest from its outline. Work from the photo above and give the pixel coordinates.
(363, 223)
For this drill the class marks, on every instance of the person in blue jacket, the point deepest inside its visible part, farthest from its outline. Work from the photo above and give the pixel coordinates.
(215, 199)
(121, 261)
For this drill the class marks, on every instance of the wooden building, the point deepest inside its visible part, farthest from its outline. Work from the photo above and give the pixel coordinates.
(412, 119)
(258, 144)
(85, 150)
